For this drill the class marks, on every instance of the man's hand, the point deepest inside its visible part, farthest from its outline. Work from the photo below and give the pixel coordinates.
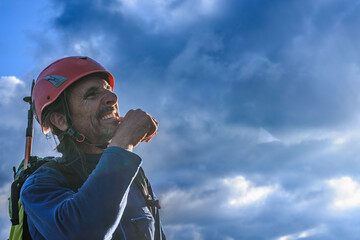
(137, 126)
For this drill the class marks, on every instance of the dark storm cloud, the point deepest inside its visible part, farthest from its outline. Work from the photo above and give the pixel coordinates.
(275, 65)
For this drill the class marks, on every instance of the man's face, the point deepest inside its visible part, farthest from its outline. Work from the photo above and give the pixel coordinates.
(94, 109)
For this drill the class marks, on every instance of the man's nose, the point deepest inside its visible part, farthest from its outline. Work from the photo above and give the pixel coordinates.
(110, 98)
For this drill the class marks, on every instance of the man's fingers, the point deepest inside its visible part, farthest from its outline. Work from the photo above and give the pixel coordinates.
(154, 120)
(154, 126)
(138, 126)
(149, 137)
(120, 118)
(152, 130)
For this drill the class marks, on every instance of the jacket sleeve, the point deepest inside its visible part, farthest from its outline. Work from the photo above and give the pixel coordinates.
(94, 212)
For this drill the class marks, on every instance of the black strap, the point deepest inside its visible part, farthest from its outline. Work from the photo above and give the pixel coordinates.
(15, 192)
(153, 204)
(26, 234)
(144, 186)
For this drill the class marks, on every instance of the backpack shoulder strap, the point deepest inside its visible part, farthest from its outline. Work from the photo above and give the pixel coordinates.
(20, 177)
(144, 186)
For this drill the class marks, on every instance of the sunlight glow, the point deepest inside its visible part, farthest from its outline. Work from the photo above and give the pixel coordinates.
(304, 234)
(243, 193)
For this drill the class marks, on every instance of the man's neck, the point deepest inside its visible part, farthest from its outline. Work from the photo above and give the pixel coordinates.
(89, 149)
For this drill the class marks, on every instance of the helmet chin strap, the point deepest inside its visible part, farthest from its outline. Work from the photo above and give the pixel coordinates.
(74, 134)
(80, 138)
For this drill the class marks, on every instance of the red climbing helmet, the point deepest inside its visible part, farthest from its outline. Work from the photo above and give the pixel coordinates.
(58, 76)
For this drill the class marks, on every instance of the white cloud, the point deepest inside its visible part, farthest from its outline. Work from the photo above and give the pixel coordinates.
(242, 191)
(4, 194)
(4, 210)
(347, 193)
(229, 194)
(183, 231)
(303, 234)
(337, 137)
(160, 15)
(84, 46)
(97, 46)
(8, 88)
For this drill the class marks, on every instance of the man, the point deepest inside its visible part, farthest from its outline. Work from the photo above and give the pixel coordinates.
(98, 191)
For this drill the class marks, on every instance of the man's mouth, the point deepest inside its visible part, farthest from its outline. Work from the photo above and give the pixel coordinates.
(109, 115)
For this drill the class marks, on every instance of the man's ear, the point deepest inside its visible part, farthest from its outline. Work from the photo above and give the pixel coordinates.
(59, 121)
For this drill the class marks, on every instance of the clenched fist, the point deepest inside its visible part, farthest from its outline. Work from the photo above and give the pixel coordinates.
(137, 126)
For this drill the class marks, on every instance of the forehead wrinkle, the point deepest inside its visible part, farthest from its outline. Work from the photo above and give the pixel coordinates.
(78, 90)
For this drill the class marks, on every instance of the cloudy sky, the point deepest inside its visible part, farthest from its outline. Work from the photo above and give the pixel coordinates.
(258, 104)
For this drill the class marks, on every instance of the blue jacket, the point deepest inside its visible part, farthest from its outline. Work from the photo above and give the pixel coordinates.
(107, 206)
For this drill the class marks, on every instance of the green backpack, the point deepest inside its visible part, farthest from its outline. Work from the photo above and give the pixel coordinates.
(19, 229)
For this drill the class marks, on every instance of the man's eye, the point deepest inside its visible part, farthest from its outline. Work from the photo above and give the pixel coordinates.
(91, 95)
